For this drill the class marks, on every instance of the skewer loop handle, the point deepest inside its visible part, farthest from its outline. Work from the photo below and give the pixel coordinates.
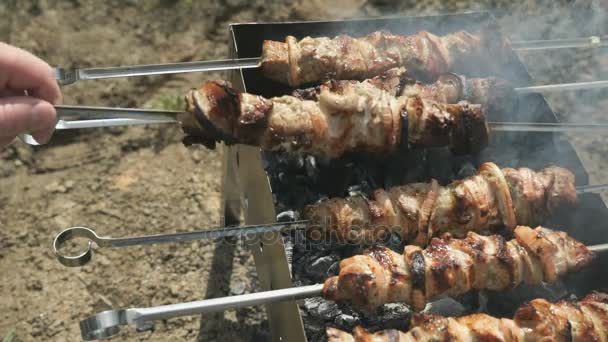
(69, 234)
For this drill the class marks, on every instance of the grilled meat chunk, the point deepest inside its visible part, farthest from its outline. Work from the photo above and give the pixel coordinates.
(496, 95)
(455, 266)
(537, 320)
(493, 199)
(314, 59)
(345, 117)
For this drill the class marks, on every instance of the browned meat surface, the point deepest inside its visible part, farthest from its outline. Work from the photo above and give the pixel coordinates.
(494, 94)
(314, 59)
(345, 117)
(455, 266)
(493, 199)
(538, 320)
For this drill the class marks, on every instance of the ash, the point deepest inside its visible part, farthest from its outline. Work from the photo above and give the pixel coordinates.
(300, 180)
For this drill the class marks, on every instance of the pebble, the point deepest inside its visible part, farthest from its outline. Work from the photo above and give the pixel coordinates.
(238, 288)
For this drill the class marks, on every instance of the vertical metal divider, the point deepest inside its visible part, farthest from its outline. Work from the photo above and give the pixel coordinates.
(246, 190)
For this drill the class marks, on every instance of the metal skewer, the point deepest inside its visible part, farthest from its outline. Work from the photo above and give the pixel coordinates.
(241, 231)
(107, 323)
(551, 44)
(71, 117)
(78, 117)
(69, 76)
(562, 87)
(210, 234)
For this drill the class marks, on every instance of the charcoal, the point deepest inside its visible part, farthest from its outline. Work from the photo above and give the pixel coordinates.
(355, 190)
(319, 268)
(446, 306)
(466, 170)
(395, 242)
(310, 165)
(328, 310)
(395, 316)
(287, 216)
(334, 269)
(298, 180)
(347, 321)
(312, 304)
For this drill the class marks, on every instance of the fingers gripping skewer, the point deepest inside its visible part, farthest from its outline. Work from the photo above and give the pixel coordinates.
(79, 117)
(76, 117)
(84, 232)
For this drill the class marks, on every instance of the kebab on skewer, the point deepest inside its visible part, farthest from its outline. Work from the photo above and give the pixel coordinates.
(537, 320)
(493, 199)
(454, 267)
(314, 59)
(346, 117)
(494, 94)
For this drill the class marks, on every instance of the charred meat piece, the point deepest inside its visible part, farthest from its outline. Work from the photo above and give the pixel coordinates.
(494, 199)
(495, 95)
(454, 267)
(537, 320)
(314, 59)
(345, 117)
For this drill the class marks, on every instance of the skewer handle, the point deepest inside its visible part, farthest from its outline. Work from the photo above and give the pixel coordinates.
(69, 76)
(106, 324)
(75, 260)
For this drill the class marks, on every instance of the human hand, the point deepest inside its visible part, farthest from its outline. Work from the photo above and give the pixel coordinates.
(28, 92)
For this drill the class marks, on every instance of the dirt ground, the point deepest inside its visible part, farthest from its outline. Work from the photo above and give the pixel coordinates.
(142, 180)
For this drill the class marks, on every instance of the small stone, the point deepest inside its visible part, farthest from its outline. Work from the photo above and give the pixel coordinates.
(56, 187)
(238, 288)
(34, 285)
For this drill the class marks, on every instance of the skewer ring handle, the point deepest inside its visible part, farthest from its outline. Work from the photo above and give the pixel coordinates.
(103, 325)
(69, 234)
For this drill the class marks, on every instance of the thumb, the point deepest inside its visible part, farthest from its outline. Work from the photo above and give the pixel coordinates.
(22, 114)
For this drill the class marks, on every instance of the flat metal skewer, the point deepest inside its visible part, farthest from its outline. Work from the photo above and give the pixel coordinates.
(83, 232)
(562, 87)
(69, 76)
(551, 44)
(557, 127)
(107, 323)
(240, 231)
(78, 117)
(70, 117)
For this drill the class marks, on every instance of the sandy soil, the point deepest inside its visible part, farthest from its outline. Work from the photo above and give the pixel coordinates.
(142, 180)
